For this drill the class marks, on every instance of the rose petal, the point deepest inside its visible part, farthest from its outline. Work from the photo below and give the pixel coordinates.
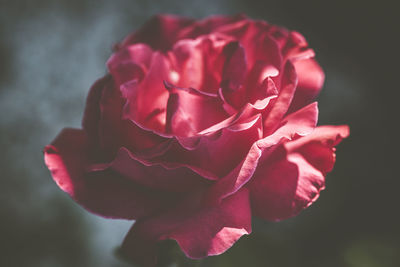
(130, 63)
(219, 152)
(91, 117)
(143, 98)
(104, 193)
(199, 230)
(233, 75)
(296, 47)
(280, 34)
(190, 111)
(317, 147)
(198, 63)
(140, 54)
(115, 132)
(310, 81)
(287, 87)
(301, 122)
(160, 32)
(153, 175)
(257, 42)
(258, 91)
(209, 25)
(291, 177)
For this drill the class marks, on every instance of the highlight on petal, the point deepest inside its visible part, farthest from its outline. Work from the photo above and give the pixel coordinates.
(199, 230)
(104, 193)
(291, 177)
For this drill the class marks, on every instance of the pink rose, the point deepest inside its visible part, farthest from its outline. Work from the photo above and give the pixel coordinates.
(199, 126)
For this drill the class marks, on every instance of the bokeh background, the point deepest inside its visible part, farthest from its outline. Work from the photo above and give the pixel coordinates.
(52, 51)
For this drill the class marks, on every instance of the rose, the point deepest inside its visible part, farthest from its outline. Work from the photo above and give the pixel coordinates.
(198, 126)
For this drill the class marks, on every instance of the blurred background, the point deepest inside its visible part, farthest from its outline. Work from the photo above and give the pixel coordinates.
(52, 51)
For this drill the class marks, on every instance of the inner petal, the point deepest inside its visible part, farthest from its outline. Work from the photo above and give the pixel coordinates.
(198, 62)
(189, 111)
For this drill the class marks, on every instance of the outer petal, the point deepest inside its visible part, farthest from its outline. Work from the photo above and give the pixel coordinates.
(199, 230)
(318, 147)
(290, 178)
(154, 175)
(209, 25)
(130, 63)
(296, 47)
(310, 81)
(115, 132)
(91, 117)
(309, 73)
(160, 32)
(104, 193)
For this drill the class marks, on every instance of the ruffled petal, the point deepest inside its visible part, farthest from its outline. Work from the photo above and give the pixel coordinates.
(105, 193)
(219, 151)
(199, 230)
(198, 63)
(297, 124)
(290, 177)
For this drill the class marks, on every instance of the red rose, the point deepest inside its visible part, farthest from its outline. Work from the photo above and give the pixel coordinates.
(198, 126)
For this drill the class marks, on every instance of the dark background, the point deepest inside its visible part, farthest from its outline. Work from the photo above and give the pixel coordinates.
(52, 51)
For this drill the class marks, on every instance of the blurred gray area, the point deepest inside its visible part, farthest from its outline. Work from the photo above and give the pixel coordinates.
(52, 51)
